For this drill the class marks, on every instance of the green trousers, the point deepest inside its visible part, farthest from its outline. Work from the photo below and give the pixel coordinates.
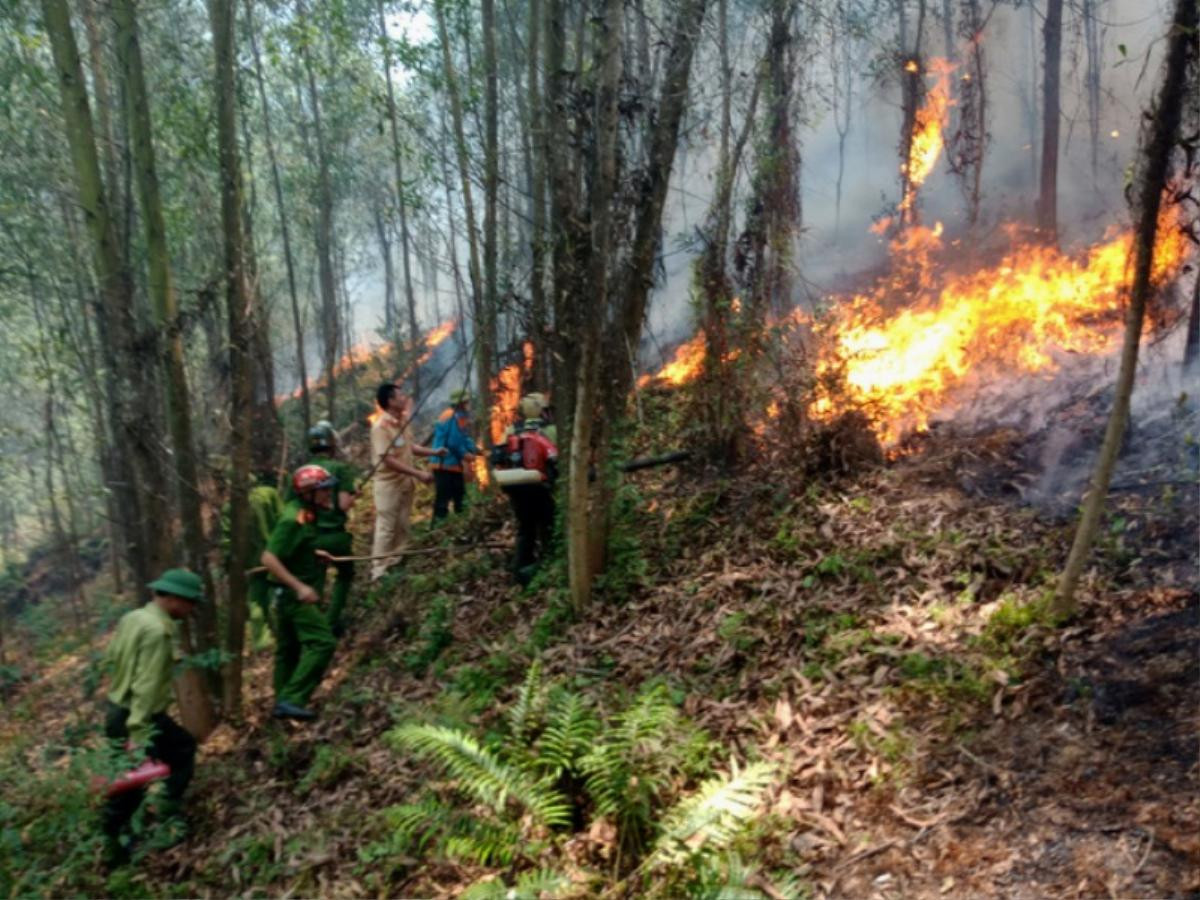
(338, 543)
(304, 645)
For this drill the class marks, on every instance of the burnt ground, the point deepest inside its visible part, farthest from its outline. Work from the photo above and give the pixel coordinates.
(871, 636)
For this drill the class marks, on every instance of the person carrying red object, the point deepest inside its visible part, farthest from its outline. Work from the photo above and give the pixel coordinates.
(141, 658)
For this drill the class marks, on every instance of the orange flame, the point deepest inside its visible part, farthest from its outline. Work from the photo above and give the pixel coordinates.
(440, 333)
(684, 366)
(506, 393)
(1012, 317)
(927, 139)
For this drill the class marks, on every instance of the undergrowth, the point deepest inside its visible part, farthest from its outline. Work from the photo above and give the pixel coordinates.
(562, 770)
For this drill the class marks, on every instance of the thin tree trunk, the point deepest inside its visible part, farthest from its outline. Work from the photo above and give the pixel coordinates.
(484, 315)
(1191, 351)
(1166, 117)
(604, 181)
(1047, 210)
(414, 331)
(284, 231)
(240, 306)
(389, 278)
(102, 93)
(330, 324)
(539, 323)
(491, 164)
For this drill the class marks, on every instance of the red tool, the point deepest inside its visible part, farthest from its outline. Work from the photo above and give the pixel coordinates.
(134, 779)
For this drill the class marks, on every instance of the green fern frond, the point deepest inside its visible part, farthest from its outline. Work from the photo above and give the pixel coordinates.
(479, 772)
(724, 878)
(416, 825)
(538, 884)
(606, 775)
(713, 816)
(485, 843)
(525, 715)
(570, 732)
(649, 723)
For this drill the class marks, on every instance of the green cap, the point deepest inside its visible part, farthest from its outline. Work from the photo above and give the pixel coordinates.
(460, 396)
(180, 583)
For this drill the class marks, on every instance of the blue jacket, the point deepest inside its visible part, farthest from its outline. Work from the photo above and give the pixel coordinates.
(453, 431)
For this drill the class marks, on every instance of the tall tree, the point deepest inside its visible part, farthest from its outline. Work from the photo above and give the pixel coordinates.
(1047, 206)
(1164, 125)
(330, 314)
(240, 312)
(414, 331)
(284, 230)
(166, 311)
(145, 524)
(484, 315)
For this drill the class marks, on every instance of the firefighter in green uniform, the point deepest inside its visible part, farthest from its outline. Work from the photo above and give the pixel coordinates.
(265, 509)
(304, 642)
(334, 538)
(141, 659)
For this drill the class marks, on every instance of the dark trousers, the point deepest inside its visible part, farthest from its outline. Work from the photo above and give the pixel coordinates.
(533, 505)
(172, 744)
(449, 487)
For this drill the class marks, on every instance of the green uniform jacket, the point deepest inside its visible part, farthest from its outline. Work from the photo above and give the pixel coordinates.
(294, 539)
(141, 656)
(265, 510)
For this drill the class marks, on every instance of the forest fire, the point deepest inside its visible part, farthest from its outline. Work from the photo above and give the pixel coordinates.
(684, 366)
(1015, 316)
(927, 138)
(903, 365)
(506, 393)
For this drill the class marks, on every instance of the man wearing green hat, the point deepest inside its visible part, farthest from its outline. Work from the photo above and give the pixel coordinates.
(141, 657)
(333, 537)
(453, 434)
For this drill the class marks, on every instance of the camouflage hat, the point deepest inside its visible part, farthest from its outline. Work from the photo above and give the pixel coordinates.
(179, 583)
(460, 396)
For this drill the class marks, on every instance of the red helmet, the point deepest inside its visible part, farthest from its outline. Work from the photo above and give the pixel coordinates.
(311, 478)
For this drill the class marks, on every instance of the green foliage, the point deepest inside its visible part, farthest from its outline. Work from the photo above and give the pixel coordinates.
(560, 763)
(434, 635)
(537, 884)
(1013, 619)
(626, 564)
(708, 820)
(481, 773)
(49, 842)
(329, 764)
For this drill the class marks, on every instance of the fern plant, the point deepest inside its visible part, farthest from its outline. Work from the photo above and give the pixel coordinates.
(482, 774)
(709, 819)
(563, 764)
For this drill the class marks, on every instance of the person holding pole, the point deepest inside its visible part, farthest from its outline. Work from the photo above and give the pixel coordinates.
(304, 642)
(393, 451)
(141, 659)
(335, 540)
(453, 433)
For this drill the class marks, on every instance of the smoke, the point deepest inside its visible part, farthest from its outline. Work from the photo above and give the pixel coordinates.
(837, 248)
